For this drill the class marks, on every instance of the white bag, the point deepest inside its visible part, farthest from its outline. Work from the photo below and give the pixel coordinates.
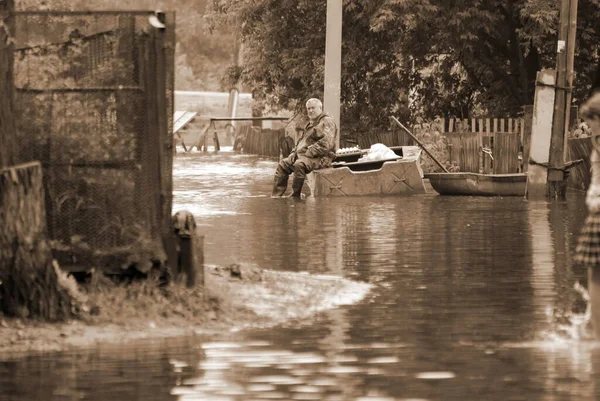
(379, 151)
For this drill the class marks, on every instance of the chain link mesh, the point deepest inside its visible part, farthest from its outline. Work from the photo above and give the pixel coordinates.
(94, 103)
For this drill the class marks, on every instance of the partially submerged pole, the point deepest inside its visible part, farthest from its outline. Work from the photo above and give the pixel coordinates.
(333, 62)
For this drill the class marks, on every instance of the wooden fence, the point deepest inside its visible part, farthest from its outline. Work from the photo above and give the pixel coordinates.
(488, 145)
(580, 148)
(262, 142)
(469, 144)
(395, 137)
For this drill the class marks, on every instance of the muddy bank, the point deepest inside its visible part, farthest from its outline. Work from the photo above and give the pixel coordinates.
(233, 298)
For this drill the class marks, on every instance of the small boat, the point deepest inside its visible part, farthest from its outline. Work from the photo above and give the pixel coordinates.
(475, 184)
(349, 176)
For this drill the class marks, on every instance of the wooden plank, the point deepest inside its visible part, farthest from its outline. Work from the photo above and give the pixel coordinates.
(486, 160)
(580, 148)
(522, 144)
(181, 119)
(506, 153)
(469, 152)
(480, 144)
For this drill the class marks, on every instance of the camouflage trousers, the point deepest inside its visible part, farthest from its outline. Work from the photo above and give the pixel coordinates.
(300, 165)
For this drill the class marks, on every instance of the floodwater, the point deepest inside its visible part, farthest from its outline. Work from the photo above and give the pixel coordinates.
(473, 299)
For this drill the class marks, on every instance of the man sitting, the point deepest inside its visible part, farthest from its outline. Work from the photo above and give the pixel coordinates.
(314, 150)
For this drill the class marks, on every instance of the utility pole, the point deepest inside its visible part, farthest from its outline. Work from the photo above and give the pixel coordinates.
(333, 61)
(234, 91)
(556, 184)
(570, 67)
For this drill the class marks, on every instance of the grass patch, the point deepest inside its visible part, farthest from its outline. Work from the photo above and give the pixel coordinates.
(141, 301)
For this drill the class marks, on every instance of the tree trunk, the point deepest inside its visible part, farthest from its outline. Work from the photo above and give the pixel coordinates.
(7, 123)
(596, 83)
(30, 285)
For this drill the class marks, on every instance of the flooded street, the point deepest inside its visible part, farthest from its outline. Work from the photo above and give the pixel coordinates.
(472, 300)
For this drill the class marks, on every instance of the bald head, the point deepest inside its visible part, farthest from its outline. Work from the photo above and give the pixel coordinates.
(314, 107)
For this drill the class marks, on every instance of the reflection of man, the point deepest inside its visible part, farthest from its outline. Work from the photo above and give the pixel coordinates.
(315, 149)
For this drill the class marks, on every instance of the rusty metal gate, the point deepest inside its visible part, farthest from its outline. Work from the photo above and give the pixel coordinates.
(94, 103)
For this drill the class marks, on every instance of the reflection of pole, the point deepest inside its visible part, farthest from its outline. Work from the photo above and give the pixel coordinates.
(333, 61)
(542, 257)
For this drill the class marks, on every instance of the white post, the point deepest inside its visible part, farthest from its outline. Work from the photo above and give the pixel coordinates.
(333, 61)
(541, 132)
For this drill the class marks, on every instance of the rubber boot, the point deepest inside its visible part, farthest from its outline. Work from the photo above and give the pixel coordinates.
(297, 184)
(279, 186)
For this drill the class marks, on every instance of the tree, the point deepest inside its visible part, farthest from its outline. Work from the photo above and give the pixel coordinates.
(460, 57)
(200, 55)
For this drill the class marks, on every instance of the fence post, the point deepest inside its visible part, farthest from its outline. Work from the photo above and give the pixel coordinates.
(8, 141)
(480, 144)
(190, 250)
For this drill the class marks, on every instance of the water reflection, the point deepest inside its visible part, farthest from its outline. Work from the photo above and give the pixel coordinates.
(471, 295)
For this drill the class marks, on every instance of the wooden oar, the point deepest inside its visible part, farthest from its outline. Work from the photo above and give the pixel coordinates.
(420, 144)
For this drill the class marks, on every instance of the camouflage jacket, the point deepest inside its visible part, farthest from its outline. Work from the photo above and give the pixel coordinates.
(319, 138)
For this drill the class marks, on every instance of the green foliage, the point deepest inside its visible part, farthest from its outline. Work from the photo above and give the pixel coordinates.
(200, 55)
(431, 135)
(143, 301)
(408, 57)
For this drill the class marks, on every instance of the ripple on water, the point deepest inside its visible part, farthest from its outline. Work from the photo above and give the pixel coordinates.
(214, 365)
(343, 369)
(282, 380)
(324, 382)
(232, 391)
(343, 359)
(262, 387)
(272, 396)
(383, 360)
(306, 389)
(305, 358)
(203, 397)
(435, 375)
(307, 396)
